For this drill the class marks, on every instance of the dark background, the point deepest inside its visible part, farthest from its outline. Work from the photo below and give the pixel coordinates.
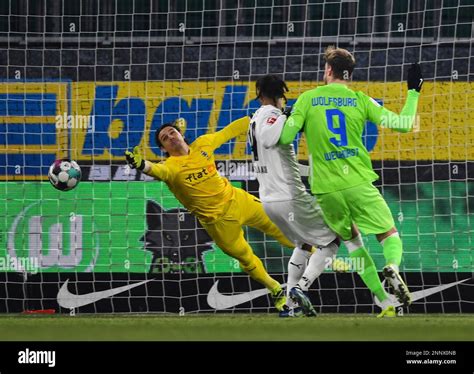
(220, 37)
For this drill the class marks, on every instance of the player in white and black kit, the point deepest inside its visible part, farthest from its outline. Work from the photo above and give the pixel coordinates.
(284, 195)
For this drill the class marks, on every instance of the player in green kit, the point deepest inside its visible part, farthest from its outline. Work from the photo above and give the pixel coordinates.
(341, 175)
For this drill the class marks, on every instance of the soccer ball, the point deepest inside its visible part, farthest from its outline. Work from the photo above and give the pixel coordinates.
(64, 174)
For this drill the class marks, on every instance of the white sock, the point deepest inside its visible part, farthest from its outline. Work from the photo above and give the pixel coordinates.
(395, 267)
(296, 268)
(316, 265)
(354, 243)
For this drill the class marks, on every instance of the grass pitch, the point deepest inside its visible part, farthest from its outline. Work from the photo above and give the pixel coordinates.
(236, 327)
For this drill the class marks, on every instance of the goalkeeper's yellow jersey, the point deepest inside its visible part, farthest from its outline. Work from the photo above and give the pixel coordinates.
(194, 179)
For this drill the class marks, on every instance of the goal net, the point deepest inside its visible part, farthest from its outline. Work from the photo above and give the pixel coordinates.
(88, 80)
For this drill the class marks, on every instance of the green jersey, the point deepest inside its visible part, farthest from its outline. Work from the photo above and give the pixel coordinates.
(334, 117)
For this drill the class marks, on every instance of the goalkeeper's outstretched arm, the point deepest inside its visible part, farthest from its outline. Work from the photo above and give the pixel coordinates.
(238, 127)
(136, 161)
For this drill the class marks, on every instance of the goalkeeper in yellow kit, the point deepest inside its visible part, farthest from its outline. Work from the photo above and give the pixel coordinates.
(222, 209)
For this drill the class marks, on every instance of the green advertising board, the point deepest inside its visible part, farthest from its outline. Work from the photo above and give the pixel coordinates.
(98, 227)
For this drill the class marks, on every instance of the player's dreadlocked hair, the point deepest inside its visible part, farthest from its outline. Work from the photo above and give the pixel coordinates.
(271, 86)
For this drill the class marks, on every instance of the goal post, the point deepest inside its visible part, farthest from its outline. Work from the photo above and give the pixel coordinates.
(88, 80)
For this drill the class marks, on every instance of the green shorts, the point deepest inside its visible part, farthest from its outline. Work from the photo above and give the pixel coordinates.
(362, 204)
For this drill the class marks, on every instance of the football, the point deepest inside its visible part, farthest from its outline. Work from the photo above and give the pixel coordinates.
(64, 174)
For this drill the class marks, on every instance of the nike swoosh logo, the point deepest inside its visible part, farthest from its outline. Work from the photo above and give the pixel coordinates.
(215, 299)
(69, 300)
(220, 301)
(417, 295)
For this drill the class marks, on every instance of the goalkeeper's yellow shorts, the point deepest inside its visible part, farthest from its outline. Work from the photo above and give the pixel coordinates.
(243, 209)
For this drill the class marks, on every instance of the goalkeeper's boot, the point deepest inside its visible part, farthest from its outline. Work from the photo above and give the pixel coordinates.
(298, 296)
(388, 312)
(291, 312)
(395, 281)
(279, 298)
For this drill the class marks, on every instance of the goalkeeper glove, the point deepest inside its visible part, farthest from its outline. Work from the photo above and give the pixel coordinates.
(415, 79)
(287, 111)
(135, 159)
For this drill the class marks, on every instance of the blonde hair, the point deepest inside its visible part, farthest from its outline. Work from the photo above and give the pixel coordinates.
(341, 61)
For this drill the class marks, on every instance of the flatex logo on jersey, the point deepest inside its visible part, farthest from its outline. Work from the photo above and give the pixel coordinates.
(197, 176)
(50, 241)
